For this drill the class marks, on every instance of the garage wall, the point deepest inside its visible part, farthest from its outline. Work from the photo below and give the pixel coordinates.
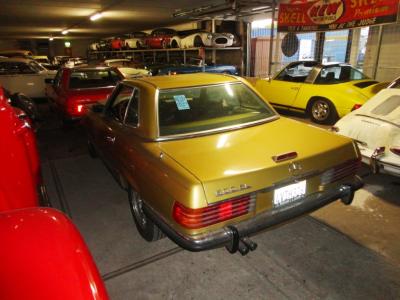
(79, 47)
(388, 66)
(8, 45)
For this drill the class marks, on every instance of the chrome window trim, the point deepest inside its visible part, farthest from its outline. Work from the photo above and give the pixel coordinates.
(108, 104)
(209, 131)
(129, 104)
(217, 130)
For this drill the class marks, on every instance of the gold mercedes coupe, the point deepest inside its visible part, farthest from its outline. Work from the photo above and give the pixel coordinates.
(209, 163)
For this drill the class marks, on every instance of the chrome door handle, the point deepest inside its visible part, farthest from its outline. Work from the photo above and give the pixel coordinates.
(110, 139)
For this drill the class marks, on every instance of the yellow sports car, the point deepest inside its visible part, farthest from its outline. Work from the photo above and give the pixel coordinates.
(208, 162)
(324, 92)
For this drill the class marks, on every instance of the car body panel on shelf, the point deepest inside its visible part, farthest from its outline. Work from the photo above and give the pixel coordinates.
(376, 129)
(205, 39)
(44, 257)
(288, 90)
(20, 180)
(160, 38)
(201, 168)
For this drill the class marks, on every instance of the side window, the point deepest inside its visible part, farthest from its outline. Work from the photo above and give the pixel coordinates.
(295, 73)
(116, 109)
(23, 68)
(4, 68)
(57, 78)
(132, 115)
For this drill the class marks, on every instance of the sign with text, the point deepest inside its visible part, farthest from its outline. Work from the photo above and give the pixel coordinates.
(325, 15)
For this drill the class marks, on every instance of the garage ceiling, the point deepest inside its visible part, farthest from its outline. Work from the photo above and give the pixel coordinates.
(41, 18)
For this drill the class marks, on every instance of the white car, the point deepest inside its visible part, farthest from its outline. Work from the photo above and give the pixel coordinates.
(376, 129)
(135, 41)
(21, 75)
(94, 47)
(127, 67)
(203, 39)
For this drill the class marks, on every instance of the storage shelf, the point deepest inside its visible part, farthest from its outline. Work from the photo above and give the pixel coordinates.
(163, 50)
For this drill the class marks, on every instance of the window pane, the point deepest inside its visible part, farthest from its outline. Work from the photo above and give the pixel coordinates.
(338, 74)
(203, 108)
(119, 104)
(81, 79)
(132, 115)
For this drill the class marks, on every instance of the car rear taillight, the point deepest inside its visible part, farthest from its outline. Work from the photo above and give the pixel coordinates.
(341, 171)
(194, 218)
(395, 150)
(356, 106)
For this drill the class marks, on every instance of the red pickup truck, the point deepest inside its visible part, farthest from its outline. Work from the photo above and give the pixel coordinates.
(74, 90)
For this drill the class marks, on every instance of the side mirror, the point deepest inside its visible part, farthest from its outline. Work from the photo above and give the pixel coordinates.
(49, 81)
(98, 108)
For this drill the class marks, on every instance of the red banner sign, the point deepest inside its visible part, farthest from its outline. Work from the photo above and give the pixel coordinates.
(324, 15)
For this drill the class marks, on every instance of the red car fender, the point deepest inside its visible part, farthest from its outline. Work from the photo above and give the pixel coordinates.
(19, 159)
(43, 256)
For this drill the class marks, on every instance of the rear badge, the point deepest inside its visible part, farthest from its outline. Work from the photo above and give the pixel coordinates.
(232, 189)
(295, 168)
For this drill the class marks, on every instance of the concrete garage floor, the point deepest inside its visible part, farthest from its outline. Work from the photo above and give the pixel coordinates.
(305, 259)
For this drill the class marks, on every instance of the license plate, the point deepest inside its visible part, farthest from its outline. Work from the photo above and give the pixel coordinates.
(289, 193)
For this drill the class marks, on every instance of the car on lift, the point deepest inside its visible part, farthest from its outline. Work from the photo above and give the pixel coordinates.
(325, 92)
(376, 129)
(160, 38)
(117, 43)
(74, 90)
(21, 75)
(135, 40)
(42, 246)
(194, 65)
(196, 38)
(20, 182)
(127, 67)
(208, 162)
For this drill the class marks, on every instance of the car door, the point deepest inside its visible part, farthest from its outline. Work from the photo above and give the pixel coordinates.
(113, 118)
(51, 89)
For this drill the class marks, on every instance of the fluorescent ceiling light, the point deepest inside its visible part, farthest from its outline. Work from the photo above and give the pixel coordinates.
(96, 16)
(64, 31)
(51, 38)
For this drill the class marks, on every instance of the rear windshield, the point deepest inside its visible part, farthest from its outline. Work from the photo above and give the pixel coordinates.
(83, 79)
(338, 74)
(211, 107)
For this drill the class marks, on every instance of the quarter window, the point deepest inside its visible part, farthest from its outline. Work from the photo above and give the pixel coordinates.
(132, 114)
(119, 103)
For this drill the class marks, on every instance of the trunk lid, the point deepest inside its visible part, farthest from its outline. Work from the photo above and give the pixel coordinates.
(90, 95)
(244, 157)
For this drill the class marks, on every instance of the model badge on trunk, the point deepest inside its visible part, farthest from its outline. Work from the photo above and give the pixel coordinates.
(232, 189)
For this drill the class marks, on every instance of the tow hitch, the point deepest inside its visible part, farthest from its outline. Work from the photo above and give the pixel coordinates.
(243, 245)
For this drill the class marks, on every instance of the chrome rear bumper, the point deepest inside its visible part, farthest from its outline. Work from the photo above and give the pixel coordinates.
(230, 235)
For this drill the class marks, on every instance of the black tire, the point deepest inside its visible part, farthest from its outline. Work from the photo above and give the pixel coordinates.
(146, 227)
(174, 44)
(91, 150)
(322, 111)
(198, 42)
